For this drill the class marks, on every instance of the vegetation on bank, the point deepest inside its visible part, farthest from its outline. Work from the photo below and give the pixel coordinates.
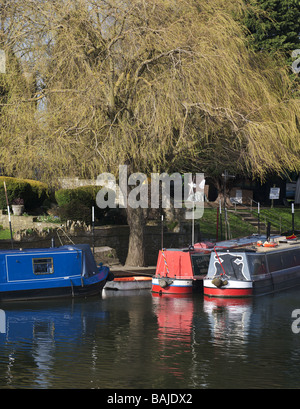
(32, 192)
(4, 234)
(279, 217)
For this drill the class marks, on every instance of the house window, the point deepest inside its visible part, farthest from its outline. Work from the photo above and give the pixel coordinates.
(43, 265)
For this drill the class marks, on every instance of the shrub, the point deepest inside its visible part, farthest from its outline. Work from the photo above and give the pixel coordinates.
(39, 193)
(32, 192)
(75, 211)
(16, 188)
(76, 204)
(85, 195)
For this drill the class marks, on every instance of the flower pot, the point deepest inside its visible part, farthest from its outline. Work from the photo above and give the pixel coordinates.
(17, 209)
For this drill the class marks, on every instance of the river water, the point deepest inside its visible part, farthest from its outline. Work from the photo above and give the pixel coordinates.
(137, 340)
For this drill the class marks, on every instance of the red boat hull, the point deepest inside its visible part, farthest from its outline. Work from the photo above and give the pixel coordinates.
(228, 292)
(177, 287)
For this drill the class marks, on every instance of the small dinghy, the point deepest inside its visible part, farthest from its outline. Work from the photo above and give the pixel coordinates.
(129, 283)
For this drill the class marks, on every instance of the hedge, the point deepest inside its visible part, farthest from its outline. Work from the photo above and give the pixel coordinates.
(31, 191)
(76, 204)
(86, 195)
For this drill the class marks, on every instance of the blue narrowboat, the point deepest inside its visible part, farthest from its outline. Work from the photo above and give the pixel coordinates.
(65, 271)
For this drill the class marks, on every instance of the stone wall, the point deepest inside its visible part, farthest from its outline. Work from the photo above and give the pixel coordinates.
(24, 222)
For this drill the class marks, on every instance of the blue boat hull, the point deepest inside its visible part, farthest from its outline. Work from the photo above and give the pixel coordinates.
(54, 292)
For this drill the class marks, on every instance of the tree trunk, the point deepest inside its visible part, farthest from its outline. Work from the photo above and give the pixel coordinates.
(136, 248)
(219, 184)
(221, 198)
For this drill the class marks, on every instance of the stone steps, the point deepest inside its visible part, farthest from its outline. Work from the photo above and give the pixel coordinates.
(253, 220)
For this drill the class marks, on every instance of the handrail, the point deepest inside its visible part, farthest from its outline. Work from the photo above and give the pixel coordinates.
(281, 221)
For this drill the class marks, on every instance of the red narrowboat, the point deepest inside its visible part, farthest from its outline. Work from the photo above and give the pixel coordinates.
(180, 271)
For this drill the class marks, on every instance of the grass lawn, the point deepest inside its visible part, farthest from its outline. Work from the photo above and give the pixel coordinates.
(238, 227)
(4, 234)
(279, 217)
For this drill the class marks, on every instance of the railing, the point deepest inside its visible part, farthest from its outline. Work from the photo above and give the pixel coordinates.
(264, 216)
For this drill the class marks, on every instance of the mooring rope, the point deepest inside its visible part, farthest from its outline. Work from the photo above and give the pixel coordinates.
(162, 251)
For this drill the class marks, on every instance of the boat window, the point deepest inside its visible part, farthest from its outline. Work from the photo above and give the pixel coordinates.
(43, 265)
(257, 264)
(200, 263)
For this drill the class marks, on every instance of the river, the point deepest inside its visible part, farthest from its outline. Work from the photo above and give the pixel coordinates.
(138, 340)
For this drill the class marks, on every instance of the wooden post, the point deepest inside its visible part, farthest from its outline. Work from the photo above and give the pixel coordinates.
(9, 220)
(93, 228)
(162, 231)
(217, 227)
(293, 218)
(258, 217)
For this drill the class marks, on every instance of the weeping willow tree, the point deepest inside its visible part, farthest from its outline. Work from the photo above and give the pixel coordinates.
(160, 85)
(18, 127)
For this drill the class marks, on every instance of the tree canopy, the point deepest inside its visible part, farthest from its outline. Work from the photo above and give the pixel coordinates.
(151, 84)
(158, 85)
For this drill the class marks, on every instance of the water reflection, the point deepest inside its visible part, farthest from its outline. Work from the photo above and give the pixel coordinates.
(174, 318)
(229, 319)
(34, 331)
(142, 340)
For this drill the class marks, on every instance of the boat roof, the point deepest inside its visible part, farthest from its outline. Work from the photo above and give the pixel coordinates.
(281, 245)
(277, 243)
(243, 241)
(222, 245)
(77, 247)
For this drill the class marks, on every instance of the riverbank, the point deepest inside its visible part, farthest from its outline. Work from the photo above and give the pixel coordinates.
(29, 232)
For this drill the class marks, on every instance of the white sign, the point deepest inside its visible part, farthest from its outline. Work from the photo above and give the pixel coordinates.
(274, 193)
(238, 197)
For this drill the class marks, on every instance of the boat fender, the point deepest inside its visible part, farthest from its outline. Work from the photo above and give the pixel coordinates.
(164, 283)
(218, 282)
